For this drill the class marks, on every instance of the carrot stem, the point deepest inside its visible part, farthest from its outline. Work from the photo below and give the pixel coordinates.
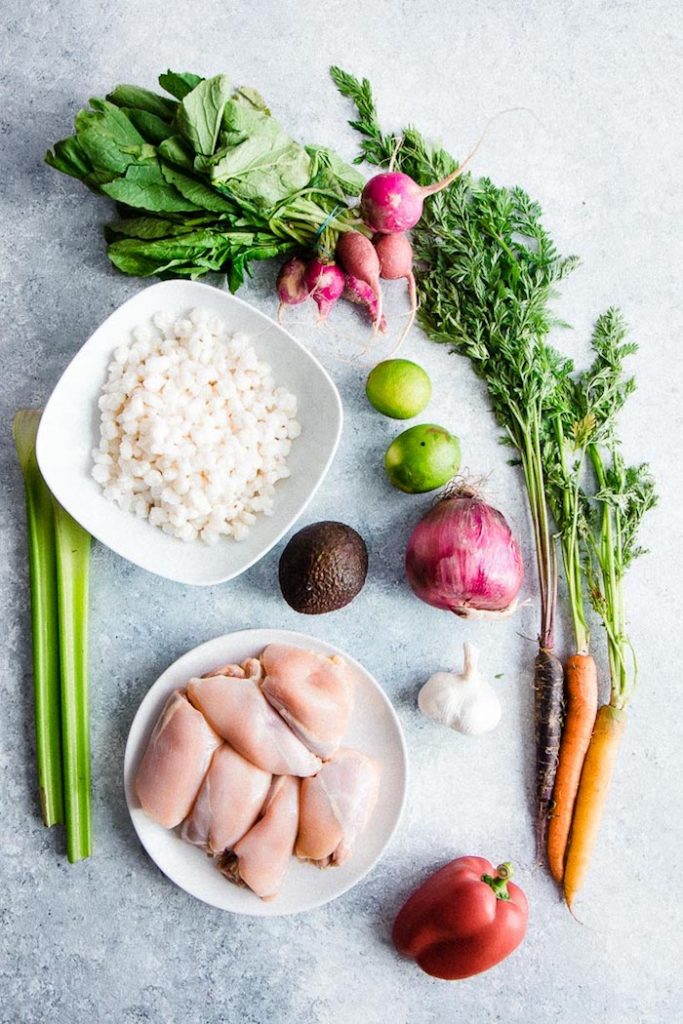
(596, 776)
(581, 683)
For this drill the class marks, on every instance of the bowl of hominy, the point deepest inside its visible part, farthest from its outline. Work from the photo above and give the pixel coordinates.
(189, 432)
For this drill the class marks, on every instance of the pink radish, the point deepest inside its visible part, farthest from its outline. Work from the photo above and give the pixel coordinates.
(360, 292)
(325, 283)
(291, 286)
(392, 202)
(396, 262)
(358, 257)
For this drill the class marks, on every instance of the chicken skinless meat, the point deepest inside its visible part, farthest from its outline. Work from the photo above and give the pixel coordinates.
(175, 761)
(261, 858)
(229, 802)
(313, 693)
(238, 711)
(336, 806)
(249, 669)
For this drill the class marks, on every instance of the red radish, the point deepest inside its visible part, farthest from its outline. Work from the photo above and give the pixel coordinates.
(291, 286)
(325, 283)
(396, 261)
(358, 257)
(392, 202)
(361, 293)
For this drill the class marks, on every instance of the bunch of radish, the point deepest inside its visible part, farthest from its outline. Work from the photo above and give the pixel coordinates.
(391, 204)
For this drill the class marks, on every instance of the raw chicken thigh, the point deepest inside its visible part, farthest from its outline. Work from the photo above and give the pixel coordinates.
(228, 803)
(260, 860)
(336, 806)
(239, 712)
(312, 692)
(249, 669)
(175, 761)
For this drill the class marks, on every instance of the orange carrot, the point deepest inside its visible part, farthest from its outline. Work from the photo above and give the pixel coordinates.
(596, 776)
(581, 683)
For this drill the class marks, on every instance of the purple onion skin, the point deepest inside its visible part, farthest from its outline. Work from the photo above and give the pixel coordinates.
(462, 557)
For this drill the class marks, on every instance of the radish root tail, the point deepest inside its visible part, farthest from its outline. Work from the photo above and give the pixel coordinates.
(449, 179)
(412, 295)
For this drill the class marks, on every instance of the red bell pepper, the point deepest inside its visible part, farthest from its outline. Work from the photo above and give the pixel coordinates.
(465, 918)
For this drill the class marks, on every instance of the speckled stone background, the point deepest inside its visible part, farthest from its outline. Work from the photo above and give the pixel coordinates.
(111, 939)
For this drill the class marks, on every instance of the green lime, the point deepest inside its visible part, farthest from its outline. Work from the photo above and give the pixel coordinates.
(398, 388)
(422, 458)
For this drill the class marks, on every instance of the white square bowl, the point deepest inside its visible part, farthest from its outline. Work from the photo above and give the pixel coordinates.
(69, 430)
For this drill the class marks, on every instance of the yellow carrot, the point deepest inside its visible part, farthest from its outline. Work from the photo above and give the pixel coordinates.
(596, 776)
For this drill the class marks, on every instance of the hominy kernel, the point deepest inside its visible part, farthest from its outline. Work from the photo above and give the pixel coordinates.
(193, 433)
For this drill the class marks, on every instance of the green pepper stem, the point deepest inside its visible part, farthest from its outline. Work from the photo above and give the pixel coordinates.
(499, 884)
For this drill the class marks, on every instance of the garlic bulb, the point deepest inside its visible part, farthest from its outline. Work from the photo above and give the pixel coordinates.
(466, 703)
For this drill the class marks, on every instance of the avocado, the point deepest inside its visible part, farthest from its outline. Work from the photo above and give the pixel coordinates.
(323, 567)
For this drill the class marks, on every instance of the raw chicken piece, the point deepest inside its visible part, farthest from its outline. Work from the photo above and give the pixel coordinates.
(175, 761)
(313, 693)
(261, 858)
(228, 803)
(240, 713)
(249, 669)
(336, 806)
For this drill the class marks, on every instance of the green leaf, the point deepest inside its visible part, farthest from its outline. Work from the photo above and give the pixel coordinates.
(241, 120)
(144, 187)
(252, 97)
(201, 195)
(196, 253)
(332, 173)
(107, 138)
(145, 258)
(175, 150)
(152, 128)
(143, 99)
(179, 83)
(264, 169)
(199, 115)
(152, 227)
(68, 156)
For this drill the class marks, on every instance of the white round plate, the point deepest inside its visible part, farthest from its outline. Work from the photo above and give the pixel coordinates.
(374, 729)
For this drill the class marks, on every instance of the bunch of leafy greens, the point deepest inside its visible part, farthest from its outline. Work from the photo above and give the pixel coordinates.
(205, 180)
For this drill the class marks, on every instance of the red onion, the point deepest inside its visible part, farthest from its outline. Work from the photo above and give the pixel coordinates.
(463, 557)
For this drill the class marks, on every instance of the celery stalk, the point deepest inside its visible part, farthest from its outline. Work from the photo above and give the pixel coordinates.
(73, 562)
(42, 569)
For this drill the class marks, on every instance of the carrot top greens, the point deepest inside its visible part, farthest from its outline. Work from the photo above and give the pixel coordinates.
(486, 271)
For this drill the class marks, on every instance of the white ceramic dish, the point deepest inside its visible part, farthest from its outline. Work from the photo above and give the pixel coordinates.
(374, 729)
(69, 430)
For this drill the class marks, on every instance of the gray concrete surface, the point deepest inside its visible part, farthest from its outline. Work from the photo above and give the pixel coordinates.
(112, 939)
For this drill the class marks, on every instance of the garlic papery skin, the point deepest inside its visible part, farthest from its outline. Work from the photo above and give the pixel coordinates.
(466, 702)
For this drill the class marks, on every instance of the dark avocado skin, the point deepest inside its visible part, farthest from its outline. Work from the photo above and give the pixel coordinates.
(323, 567)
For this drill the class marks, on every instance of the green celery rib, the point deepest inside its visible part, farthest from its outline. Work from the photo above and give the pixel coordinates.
(42, 568)
(73, 562)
